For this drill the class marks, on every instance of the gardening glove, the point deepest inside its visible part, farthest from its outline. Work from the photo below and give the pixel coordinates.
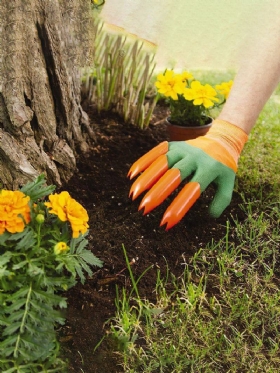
(209, 158)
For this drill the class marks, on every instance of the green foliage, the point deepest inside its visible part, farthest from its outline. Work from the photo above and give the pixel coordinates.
(37, 189)
(119, 79)
(33, 277)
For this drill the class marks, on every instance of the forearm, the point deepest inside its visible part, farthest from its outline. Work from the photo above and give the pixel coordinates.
(256, 79)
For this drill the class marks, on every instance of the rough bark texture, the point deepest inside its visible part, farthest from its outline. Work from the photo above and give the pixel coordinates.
(43, 44)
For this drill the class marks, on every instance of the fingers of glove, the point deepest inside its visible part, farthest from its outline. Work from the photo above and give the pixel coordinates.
(181, 205)
(223, 195)
(179, 150)
(147, 159)
(154, 165)
(161, 190)
(205, 174)
(187, 166)
(149, 177)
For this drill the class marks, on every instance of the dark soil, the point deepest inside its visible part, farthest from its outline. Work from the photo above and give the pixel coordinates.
(102, 187)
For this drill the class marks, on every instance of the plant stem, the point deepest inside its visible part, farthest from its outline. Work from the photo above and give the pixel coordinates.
(39, 236)
(21, 330)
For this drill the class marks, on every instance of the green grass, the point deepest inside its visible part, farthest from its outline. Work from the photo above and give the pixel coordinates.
(223, 314)
(259, 165)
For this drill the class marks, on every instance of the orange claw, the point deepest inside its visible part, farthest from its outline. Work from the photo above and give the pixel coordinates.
(149, 177)
(142, 163)
(161, 190)
(181, 204)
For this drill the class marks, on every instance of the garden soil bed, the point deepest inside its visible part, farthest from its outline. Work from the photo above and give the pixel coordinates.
(102, 187)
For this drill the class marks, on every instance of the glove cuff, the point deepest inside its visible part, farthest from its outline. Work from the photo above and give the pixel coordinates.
(231, 137)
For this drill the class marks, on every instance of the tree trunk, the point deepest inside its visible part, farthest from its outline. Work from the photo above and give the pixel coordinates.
(43, 44)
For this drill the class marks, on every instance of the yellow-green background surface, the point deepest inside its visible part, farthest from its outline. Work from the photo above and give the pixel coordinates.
(194, 34)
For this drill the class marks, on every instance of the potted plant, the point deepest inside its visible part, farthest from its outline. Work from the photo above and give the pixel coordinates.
(190, 103)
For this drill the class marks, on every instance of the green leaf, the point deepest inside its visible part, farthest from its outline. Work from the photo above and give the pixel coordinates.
(45, 309)
(90, 258)
(11, 329)
(4, 237)
(15, 306)
(85, 267)
(79, 242)
(27, 241)
(38, 189)
(48, 297)
(4, 272)
(34, 316)
(20, 265)
(33, 270)
(11, 370)
(82, 246)
(67, 261)
(3, 321)
(6, 345)
(79, 271)
(19, 294)
(63, 303)
(16, 236)
(5, 258)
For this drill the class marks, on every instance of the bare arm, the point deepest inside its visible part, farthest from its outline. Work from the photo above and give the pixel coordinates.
(258, 75)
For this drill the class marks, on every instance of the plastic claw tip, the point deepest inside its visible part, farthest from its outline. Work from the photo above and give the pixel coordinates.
(149, 177)
(181, 205)
(147, 159)
(161, 190)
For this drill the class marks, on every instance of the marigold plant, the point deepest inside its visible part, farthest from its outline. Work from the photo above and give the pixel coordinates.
(42, 253)
(188, 99)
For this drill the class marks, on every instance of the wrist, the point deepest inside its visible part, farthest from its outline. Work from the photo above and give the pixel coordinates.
(230, 136)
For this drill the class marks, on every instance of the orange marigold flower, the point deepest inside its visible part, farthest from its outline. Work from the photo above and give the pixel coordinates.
(68, 209)
(14, 211)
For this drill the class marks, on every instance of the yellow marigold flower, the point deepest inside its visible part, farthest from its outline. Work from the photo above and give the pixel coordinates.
(224, 88)
(201, 94)
(60, 247)
(189, 94)
(14, 211)
(68, 209)
(170, 84)
(186, 76)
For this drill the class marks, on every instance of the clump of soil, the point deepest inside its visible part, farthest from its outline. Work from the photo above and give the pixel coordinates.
(102, 187)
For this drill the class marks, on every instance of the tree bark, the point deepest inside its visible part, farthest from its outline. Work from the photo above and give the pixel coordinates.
(43, 44)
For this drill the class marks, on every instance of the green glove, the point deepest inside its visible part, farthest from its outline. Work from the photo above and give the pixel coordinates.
(209, 158)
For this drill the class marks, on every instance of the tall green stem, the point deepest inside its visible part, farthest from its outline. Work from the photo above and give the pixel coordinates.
(21, 330)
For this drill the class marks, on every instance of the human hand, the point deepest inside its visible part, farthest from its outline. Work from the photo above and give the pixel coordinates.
(208, 159)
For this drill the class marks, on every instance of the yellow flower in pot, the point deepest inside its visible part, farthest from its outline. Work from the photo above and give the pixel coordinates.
(190, 103)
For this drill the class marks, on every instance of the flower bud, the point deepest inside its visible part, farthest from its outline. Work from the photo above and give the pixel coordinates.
(60, 247)
(11, 275)
(40, 218)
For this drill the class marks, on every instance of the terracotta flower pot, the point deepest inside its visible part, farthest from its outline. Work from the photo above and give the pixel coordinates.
(181, 133)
